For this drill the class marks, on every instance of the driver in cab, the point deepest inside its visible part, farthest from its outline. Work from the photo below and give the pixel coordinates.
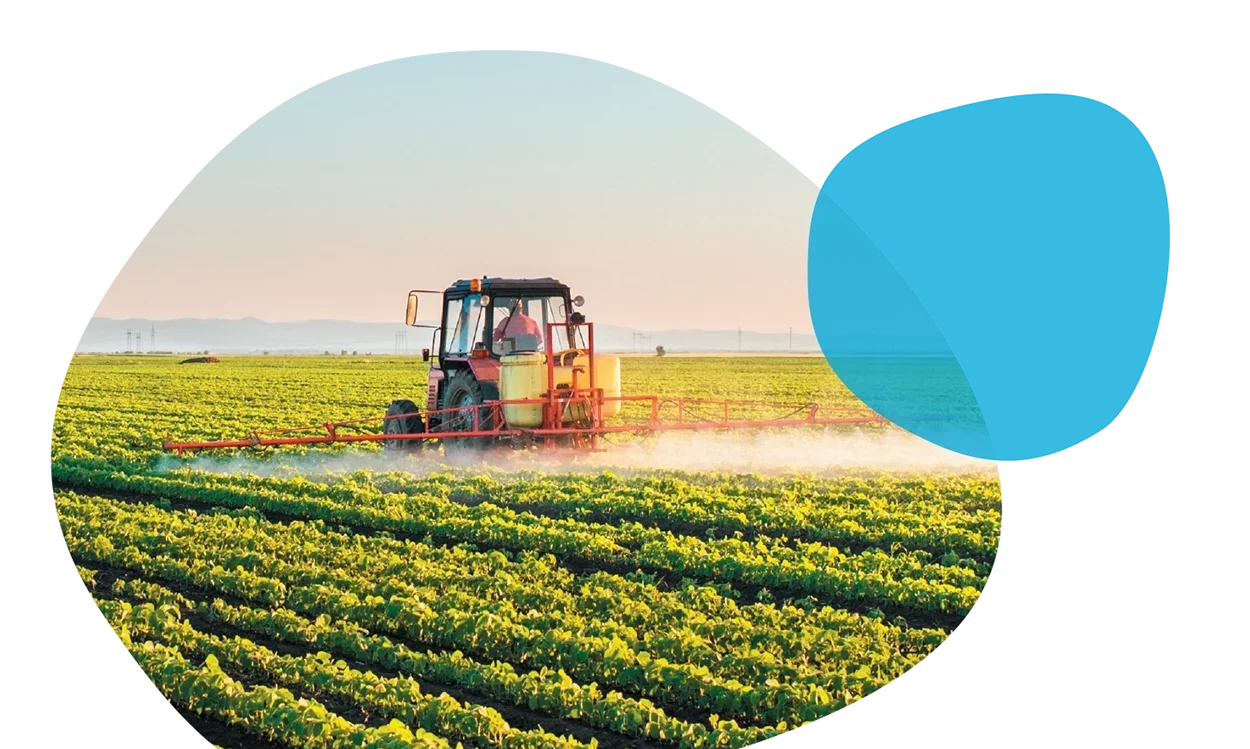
(516, 323)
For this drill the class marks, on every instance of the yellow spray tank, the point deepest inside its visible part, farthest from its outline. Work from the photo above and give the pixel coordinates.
(523, 376)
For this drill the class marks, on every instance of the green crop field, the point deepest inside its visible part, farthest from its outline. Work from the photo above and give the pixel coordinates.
(485, 606)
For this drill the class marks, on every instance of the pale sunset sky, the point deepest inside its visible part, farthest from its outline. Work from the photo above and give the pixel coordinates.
(417, 172)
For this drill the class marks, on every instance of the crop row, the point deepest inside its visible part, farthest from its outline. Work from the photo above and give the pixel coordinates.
(541, 593)
(942, 514)
(907, 579)
(552, 692)
(273, 713)
(319, 675)
(106, 533)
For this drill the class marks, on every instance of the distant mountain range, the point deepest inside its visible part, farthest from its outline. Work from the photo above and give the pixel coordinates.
(251, 335)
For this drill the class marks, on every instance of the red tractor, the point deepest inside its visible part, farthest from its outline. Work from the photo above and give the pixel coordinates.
(489, 327)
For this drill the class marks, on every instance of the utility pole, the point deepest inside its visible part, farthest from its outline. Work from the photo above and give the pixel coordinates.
(152, 339)
(739, 340)
(792, 339)
(138, 342)
(128, 334)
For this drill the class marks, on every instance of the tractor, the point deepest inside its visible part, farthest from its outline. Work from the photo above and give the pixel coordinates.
(479, 345)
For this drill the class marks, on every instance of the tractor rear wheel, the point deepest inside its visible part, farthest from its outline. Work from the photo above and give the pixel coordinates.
(406, 420)
(464, 392)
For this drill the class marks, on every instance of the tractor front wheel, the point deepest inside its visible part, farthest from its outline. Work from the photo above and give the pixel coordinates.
(403, 417)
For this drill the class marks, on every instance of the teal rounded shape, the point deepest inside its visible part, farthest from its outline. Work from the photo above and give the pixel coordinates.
(991, 277)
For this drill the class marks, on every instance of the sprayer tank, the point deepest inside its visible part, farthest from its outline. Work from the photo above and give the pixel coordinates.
(523, 376)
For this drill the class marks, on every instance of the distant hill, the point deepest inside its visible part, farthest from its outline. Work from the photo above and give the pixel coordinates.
(250, 335)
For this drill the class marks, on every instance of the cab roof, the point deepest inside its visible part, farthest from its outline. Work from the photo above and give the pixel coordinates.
(497, 284)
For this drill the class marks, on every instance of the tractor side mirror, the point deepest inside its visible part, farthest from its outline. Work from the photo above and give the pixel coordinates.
(410, 318)
(425, 354)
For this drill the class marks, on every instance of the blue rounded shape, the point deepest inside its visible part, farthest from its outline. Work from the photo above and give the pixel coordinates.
(991, 277)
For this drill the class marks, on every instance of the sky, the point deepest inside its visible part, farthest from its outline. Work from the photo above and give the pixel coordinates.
(418, 172)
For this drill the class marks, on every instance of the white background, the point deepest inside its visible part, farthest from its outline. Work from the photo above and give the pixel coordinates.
(106, 110)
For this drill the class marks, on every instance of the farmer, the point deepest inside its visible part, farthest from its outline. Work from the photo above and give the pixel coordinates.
(517, 323)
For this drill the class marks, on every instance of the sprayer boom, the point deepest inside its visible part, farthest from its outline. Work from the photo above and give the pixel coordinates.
(475, 423)
(499, 387)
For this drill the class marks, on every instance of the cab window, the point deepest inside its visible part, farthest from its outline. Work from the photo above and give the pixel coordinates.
(465, 322)
(512, 334)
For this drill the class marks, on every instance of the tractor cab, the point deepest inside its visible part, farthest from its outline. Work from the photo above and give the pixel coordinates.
(491, 317)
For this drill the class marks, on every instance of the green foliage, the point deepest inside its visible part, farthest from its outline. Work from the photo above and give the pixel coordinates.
(697, 610)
